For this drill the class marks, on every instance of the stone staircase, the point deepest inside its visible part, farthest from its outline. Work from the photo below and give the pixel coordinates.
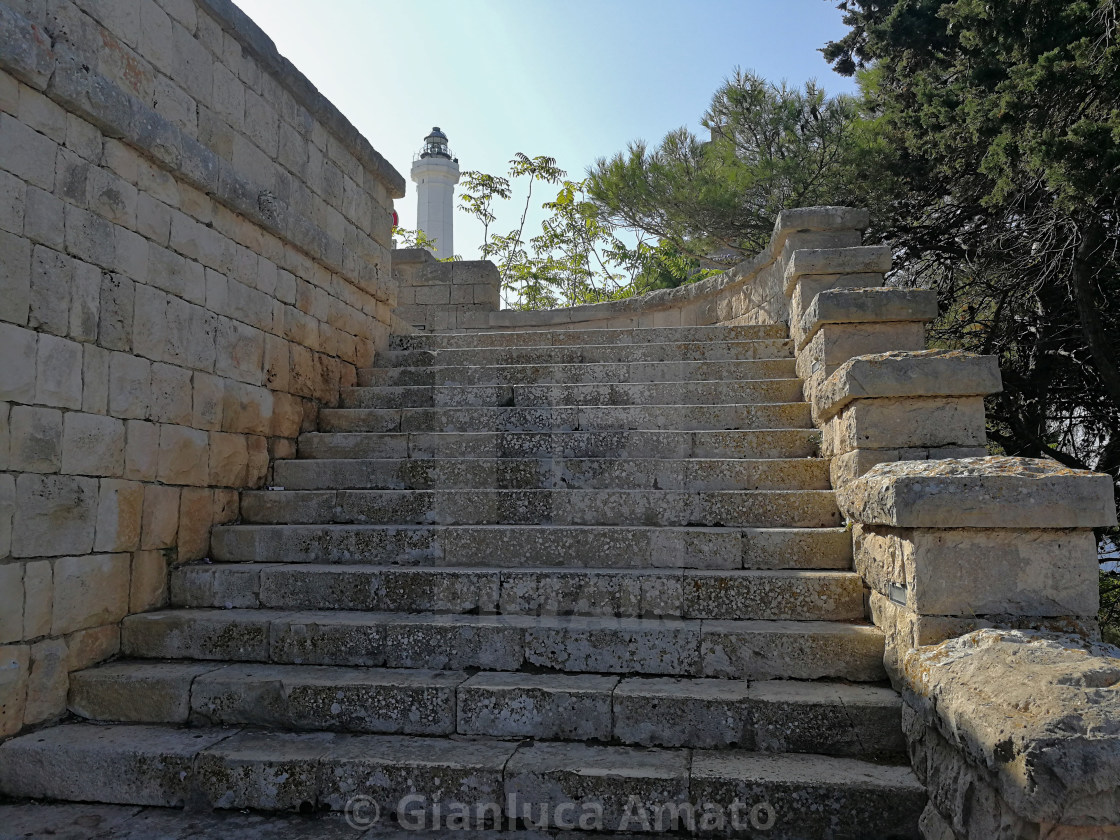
(516, 570)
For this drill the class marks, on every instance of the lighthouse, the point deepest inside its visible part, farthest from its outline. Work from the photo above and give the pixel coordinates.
(435, 173)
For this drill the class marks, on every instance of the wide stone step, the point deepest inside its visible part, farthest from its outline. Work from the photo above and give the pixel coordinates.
(792, 415)
(732, 594)
(605, 443)
(760, 508)
(574, 644)
(579, 373)
(694, 351)
(609, 787)
(770, 716)
(546, 338)
(731, 392)
(542, 473)
(526, 546)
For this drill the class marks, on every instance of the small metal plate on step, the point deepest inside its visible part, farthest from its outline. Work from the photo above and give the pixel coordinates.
(897, 593)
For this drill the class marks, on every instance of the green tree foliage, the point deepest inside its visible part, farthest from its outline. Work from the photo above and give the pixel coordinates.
(999, 127)
(772, 147)
(576, 257)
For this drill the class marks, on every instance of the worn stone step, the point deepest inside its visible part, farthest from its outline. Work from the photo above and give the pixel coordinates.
(793, 415)
(605, 443)
(574, 644)
(542, 473)
(716, 351)
(633, 372)
(545, 338)
(759, 508)
(828, 718)
(729, 392)
(614, 788)
(738, 594)
(525, 546)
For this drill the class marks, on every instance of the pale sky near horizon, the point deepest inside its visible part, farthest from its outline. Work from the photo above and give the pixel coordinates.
(577, 79)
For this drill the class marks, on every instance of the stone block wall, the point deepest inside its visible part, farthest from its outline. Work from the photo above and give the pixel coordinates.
(753, 292)
(193, 258)
(434, 295)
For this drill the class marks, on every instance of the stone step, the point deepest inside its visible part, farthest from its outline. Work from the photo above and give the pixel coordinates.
(769, 716)
(793, 415)
(729, 392)
(729, 594)
(541, 473)
(546, 338)
(608, 787)
(605, 443)
(806, 650)
(759, 508)
(579, 373)
(527, 546)
(695, 351)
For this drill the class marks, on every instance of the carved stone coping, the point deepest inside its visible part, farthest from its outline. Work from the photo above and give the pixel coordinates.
(860, 306)
(988, 492)
(789, 222)
(907, 373)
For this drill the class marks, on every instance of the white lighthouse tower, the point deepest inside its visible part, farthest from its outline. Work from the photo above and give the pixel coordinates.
(435, 173)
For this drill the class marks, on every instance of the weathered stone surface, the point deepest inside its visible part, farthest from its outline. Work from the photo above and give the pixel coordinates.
(133, 692)
(846, 795)
(980, 493)
(15, 664)
(906, 423)
(791, 650)
(850, 306)
(54, 515)
(272, 771)
(138, 765)
(1006, 701)
(390, 768)
(543, 706)
(668, 712)
(971, 572)
(89, 591)
(301, 697)
(859, 260)
(925, 373)
(607, 779)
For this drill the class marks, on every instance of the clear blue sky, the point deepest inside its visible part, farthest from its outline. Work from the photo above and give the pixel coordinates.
(575, 79)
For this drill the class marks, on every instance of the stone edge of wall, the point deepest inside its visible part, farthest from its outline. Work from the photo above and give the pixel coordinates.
(904, 429)
(238, 24)
(707, 301)
(28, 53)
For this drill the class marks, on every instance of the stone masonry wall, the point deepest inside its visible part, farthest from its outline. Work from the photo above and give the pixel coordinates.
(193, 258)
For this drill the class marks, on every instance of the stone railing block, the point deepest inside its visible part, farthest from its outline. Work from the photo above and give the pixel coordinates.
(924, 373)
(861, 306)
(1017, 734)
(865, 259)
(822, 219)
(990, 492)
(834, 344)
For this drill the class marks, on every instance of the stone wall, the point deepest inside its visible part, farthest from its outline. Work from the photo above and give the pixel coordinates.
(193, 258)
(441, 296)
(753, 292)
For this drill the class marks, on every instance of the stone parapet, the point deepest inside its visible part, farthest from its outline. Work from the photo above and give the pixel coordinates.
(436, 296)
(749, 293)
(1016, 734)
